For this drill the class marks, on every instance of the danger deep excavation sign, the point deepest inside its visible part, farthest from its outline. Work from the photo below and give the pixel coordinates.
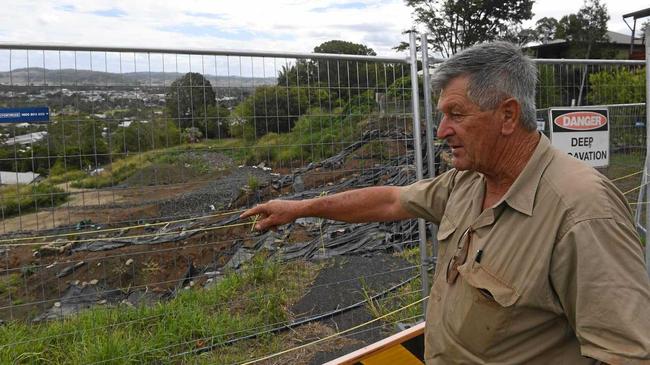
(582, 133)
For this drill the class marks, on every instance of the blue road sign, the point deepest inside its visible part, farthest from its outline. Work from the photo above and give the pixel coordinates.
(39, 114)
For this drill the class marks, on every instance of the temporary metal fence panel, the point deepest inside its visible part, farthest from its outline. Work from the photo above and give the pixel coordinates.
(149, 156)
(619, 85)
(646, 169)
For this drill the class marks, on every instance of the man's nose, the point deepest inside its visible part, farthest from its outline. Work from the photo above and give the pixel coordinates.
(444, 130)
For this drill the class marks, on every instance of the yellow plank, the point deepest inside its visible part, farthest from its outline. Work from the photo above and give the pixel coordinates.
(396, 354)
(369, 351)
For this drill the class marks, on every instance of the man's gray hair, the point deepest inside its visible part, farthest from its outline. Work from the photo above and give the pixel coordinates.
(496, 71)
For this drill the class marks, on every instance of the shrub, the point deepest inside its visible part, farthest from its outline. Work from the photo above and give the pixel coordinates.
(20, 199)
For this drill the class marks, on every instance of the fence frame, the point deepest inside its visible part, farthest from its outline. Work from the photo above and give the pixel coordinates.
(645, 182)
(427, 61)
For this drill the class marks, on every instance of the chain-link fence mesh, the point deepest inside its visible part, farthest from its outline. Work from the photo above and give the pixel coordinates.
(130, 194)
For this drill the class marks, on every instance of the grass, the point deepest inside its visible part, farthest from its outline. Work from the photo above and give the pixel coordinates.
(66, 176)
(122, 169)
(240, 304)
(21, 199)
(253, 182)
(9, 284)
(314, 137)
(403, 296)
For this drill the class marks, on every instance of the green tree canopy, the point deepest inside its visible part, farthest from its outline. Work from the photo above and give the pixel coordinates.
(139, 137)
(458, 24)
(344, 79)
(189, 98)
(586, 31)
(545, 28)
(273, 109)
(344, 47)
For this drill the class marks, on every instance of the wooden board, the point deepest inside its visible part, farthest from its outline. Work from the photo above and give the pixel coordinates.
(404, 348)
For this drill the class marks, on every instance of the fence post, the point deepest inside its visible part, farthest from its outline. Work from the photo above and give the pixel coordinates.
(428, 117)
(647, 143)
(415, 98)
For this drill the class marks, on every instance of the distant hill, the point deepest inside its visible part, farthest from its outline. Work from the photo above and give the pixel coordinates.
(70, 77)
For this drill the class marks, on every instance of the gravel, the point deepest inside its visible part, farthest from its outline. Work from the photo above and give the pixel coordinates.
(216, 195)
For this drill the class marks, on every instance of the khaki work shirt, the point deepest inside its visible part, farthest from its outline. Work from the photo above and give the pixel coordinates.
(561, 278)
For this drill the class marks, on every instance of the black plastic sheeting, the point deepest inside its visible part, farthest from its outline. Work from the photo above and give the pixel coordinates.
(332, 238)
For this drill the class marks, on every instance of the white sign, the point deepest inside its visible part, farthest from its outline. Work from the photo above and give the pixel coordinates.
(582, 133)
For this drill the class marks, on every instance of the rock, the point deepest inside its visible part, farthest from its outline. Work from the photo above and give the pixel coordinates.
(77, 298)
(212, 274)
(48, 251)
(59, 242)
(75, 283)
(141, 297)
(298, 184)
(70, 269)
(93, 282)
(241, 256)
(129, 262)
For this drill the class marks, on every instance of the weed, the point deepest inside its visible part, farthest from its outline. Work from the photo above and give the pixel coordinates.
(236, 306)
(253, 182)
(9, 284)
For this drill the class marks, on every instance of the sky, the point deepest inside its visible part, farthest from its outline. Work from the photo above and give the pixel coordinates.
(264, 25)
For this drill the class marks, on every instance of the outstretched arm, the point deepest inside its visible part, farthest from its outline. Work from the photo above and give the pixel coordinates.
(373, 204)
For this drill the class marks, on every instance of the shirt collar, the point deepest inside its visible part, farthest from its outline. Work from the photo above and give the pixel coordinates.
(521, 195)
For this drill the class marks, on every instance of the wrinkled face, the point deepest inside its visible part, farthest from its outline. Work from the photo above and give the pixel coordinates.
(471, 133)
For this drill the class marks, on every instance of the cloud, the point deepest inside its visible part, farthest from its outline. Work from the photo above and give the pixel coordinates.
(280, 25)
(351, 5)
(66, 7)
(204, 15)
(111, 13)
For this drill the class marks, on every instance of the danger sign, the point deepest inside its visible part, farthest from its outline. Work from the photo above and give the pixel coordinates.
(582, 133)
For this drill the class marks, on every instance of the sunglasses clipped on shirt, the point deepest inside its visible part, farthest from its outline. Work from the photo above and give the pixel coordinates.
(460, 256)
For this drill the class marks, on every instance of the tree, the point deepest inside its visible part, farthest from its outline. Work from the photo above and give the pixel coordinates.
(343, 80)
(189, 98)
(458, 24)
(333, 73)
(344, 47)
(139, 137)
(545, 28)
(519, 36)
(273, 109)
(586, 31)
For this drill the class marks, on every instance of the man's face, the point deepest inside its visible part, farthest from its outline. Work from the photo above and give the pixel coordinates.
(471, 133)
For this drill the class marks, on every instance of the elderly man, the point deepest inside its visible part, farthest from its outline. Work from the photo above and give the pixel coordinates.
(539, 260)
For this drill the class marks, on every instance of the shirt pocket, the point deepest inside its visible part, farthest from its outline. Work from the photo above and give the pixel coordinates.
(485, 308)
(446, 229)
(444, 236)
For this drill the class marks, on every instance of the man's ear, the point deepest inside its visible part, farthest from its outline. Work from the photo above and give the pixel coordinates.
(509, 113)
